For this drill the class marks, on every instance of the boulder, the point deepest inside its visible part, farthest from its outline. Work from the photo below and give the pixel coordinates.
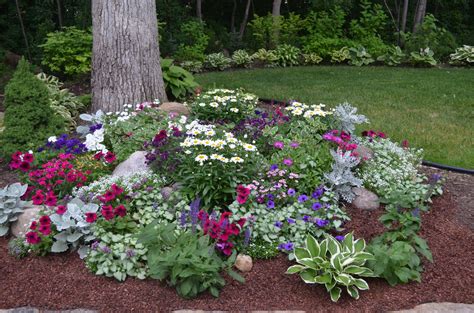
(365, 199)
(243, 263)
(21, 226)
(134, 164)
(174, 107)
(442, 307)
(364, 153)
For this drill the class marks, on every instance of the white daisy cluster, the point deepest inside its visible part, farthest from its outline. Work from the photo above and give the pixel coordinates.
(130, 110)
(177, 123)
(94, 141)
(220, 102)
(307, 111)
(207, 144)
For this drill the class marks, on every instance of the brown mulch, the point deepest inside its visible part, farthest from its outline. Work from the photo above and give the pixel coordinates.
(63, 282)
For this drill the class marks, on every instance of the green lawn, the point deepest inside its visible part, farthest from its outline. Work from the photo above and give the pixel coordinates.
(431, 108)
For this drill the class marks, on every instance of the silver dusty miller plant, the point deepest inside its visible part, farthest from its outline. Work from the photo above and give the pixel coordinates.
(11, 205)
(73, 228)
(347, 117)
(342, 179)
(94, 118)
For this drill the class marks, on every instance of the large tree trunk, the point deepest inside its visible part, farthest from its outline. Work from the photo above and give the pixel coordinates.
(420, 14)
(125, 55)
(276, 20)
(404, 16)
(244, 21)
(232, 18)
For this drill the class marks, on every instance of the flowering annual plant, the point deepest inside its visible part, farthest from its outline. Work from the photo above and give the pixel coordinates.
(164, 150)
(298, 109)
(22, 161)
(213, 163)
(223, 104)
(373, 134)
(342, 139)
(64, 143)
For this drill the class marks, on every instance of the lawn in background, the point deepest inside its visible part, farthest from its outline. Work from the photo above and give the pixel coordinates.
(431, 108)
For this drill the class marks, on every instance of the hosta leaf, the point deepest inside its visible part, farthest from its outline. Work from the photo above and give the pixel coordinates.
(361, 284)
(335, 294)
(356, 270)
(359, 245)
(353, 292)
(349, 242)
(307, 277)
(312, 246)
(301, 253)
(323, 279)
(294, 269)
(333, 245)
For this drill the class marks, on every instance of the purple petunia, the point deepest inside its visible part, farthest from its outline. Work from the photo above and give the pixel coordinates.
(306, 218)
(279, 145)
(286, 246)
(318, 193)
(290, 220)
(288, 162)
(294, 144)
(339, 238)
(273, 167)
(270, 204)
(316, 206)
(278, 224)
(302, 198)
(321, 223)
(291, 192)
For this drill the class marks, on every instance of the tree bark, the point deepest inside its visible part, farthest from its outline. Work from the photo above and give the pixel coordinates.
(199, 9)
(276, 20)
(244, 21)
(22, 26)
(125, 55)
(404, 16)
(60, 14)
(420, 14)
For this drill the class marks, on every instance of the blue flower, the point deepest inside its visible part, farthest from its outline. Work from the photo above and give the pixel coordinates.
(302, 198)
(286, 246)
(318, 193)
(340, 238)
(270, 196)
(316, 206)
(306, 218)
(321, 223)
(273, 167)
(278, 224)
(291, 192)
(290, 220)
(270, 204)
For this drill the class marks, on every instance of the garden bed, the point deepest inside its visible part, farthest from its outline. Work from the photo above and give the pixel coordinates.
(62, 281)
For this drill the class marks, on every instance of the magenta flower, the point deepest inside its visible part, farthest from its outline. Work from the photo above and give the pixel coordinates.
(288, 162)
(279, 145)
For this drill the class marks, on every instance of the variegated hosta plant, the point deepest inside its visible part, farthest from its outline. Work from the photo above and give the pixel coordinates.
(334, 264)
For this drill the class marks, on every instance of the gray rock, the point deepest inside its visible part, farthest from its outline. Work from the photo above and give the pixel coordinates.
(25, 309)
(365, 199)
(174, 107)
(134, 164)
(364, 153)
(442, 307)
(243, 263)
(21, 226)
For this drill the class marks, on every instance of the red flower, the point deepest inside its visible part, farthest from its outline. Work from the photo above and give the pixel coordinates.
(71, 177)
(38, 198)
(160, 136)
(98, 155)
(32, 238)
(61, 209)
(107, 212)
(16, 156)
(243, 190)
(241, 199)
(28, 157)
(405, 144)
(202, 215)
(45, 229)
(51, 200)
(34, 225)
(120, 210)
(91, 217)
(108, 196)
(241, 222)
(25, 166)
(15, 164)
(116, 190)
(228, 248)
(109, 157)
(225, 216)
(45, 220)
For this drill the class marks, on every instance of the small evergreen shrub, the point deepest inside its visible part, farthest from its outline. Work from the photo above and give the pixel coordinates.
(29, 118)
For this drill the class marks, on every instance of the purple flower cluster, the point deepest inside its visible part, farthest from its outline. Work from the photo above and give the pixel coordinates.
(288, 246)
(95, 127)
(66, 144)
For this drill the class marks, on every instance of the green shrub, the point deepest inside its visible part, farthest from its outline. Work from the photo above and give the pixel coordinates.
(192, 66)
(463, 55)
(311, 58)
(29, 118)
(265, 57)
(242, 58)
(327, 24)
(269, 31)
(394, 56)
(63, 102)
(217, 61)
(193, 42)
(324, 46)
(359, 56)
(341, 55)
(287, 55)
(68, 51)
(440, 40)
(178, 82)
(425, 57)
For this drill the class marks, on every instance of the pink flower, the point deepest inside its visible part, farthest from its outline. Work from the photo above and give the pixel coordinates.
(116, 190)
(45, 229)
(51, 200)
(279, 145)
(91, 217)
(110, 157)
(28, 157)
(34, 225)
(107, 212)
(32, 238)
(38, 198)
(61, 209)
(288, 162)
(120, 210)
(45, 220)
(25, 166)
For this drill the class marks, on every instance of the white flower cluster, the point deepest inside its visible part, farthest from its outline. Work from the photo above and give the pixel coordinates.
(130, 110)
(227, 146)
(94, 141)
(307, 111)
(177, 123)
(129, 182)
(234, 101)
(392, 167)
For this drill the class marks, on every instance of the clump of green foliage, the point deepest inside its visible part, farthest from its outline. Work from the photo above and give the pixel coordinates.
(194, 42)
(178, 82)
(29, 118)
(68, 51)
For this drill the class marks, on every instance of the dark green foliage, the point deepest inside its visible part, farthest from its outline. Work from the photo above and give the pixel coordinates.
(179, 83)
(186, 260)
(68, 52)
(29, 119)
(193, 42)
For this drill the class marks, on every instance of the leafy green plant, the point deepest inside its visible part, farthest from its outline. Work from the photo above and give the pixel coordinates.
(217, 61)
(359, 56)
(424, 57)
(192, 66)
(186, 260)
(311, 58)
(287, 55)
(63, 102)
(193, 42)
(341, 55)
(325, 46)
(269, 31)
(11, 205)
(463, 55)
(393, 57)
(242, 58)
(68, 51)
(334, 264)
(29, 119)
(265, 57)
(177, 80)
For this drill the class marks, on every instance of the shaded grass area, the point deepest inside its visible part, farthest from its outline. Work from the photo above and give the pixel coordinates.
(432, 108)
